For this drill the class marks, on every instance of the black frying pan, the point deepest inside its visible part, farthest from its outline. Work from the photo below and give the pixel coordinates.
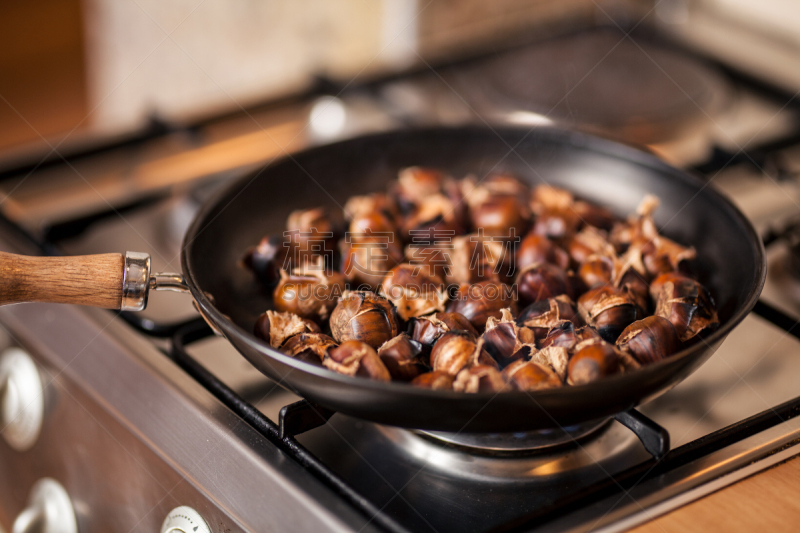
(730, 258)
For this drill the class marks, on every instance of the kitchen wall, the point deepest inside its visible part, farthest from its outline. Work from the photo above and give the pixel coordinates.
(101, 67)
(185, 57)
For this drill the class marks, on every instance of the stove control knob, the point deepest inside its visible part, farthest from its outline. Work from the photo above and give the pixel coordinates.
(184, 519)
(21, 399)
(49, 510)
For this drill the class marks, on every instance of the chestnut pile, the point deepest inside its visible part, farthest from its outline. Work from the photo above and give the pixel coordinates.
(472, 285)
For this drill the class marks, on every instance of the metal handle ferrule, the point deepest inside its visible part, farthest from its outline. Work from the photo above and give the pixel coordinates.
(135, 281)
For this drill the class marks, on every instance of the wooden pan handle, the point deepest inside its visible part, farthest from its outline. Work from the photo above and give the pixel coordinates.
(95, 280)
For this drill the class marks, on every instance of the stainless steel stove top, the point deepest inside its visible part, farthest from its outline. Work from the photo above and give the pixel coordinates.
(174, 435)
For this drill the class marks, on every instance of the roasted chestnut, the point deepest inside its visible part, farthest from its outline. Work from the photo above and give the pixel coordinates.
(436, 380)
(428, 329)
(363, 316)
(548, 198)
(433, 216)
(476, 191)
(587, 243)
(505, 340)
(275, 327)
(555, 216)
(480, 378)
(367, 259)
(401, 356)
(456, 350)
(415, 183)
(355, 358)
(535, 249)
(593, 362)
(367, 204)
(479, 301)
(686, 304)
(313, 233)
(544, 315)
(268, 258)
(413, 291)
(500, 216)
(662, 255)
(553, 357)
(609, 310)
(540, 282)
(474, 258)
(529, 376)
(308, 293)
(637, 287)
(650, 340)
(367, 224)
(596, 270)
(309, 347)
(565, 335)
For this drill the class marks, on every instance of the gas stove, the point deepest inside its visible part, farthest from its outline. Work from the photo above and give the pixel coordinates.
(149, 420)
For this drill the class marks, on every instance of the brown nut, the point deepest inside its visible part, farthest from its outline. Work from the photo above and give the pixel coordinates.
(529, 376)
(268, 258)
(314, 233)
(479, 378)
(559, 225)
(474, 258)
(436, 380)
(378, 202)
(365, 224)
(500, 216)
(456, 350)
(540, 282)
(401, 356)
(555, 358)
(650, 340)
(452, 352)
(561, 335)
(365, 317)
(609, 310)
(416, 183)
(534, 249)
(275, 327)
(432, 217)
(309, 294)
(355, 358)
(587, 243)
(638, 288)
(428, 329)
(548, 198)
(413, 291)
(504, 340)
(475, 191)
(663, 255)
(367, 259)
(591, 363)
(596, 270)
(686, 304)
(309, 347)
(479, 301)
(544, 315)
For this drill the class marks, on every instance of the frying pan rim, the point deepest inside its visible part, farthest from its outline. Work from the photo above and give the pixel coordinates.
(586, 141)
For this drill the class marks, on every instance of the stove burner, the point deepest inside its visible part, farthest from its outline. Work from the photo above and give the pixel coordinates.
(519, 443)
(633, 91)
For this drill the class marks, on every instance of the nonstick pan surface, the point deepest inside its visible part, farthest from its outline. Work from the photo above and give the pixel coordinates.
(730, 261)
